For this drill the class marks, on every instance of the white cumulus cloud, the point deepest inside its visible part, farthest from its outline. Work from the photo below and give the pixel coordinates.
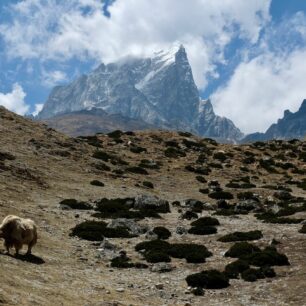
(265, 85)
(14, 100)
(52, 29)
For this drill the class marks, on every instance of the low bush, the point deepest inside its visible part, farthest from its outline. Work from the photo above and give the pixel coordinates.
(148, 184)
(74, 204)
(221, 195)
(268, 257)
(233, 269)
(115, 134)
(172, 152)
(205, 221)
(102, 155)
(303, 229)
(156, 256)
(210, 279)
(124, 263)
(121, 208)
(241, 236)
(201, 179)
(241, 250)
(96, 231)
(204, 190)
(206, 230)
(220, 156)
(196, 253)
(137, 170)
(97, 183)
(188, 215)
(162, 232)
(137, 150)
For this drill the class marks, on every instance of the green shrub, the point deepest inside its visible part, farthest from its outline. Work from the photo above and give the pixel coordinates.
(162, 232)
(201, 179)
(148, 184)
(206, 230)
(153, 245)
(221, 195)
(115, 134)
(241, 250)
(172, 143)
(241, 236)
(97, 183)
(102, 155)
(204, 190)
(174, 153)
(102, 167)
(156, 256)
(137, 170)
(251, 275)
(121, 262)
(268, 257)
(220, 156)
(303, 229)
(210, 279)
(120, 208)
(198, 170)
(248, 195)
(96, 231)
(205, 221)
(137, 150)
(189, 251)
(188, 215)
(74, 204)
(233, 269)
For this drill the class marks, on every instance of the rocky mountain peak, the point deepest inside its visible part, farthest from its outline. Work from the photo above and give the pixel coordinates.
(159, 90)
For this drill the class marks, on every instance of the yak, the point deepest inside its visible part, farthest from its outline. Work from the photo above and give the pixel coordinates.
(18, 231)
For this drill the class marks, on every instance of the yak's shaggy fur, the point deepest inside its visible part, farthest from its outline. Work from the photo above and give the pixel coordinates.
(18, 231)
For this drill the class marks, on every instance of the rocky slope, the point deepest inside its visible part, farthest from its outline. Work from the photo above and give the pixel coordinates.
(292, 125)
(40, 167)
(159, 90)
(90, 122)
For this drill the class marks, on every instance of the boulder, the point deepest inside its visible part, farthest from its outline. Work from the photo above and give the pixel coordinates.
(148, 202)
(130, 225)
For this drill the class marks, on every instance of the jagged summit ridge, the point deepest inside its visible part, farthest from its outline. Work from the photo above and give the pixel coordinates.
(159, 90)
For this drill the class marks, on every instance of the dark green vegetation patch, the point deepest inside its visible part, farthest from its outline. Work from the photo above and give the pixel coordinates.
(210, 279)
(96, 231)
(160, 251)
(241, 236)
(74, 204)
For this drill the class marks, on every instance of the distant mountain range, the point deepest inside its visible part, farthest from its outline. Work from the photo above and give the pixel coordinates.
(159, 91)
(147, 93)
(292, 125)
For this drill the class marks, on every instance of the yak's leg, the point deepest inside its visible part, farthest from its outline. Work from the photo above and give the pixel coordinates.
(30, 246)
(32, 243)
(18, 247)
(7, 246)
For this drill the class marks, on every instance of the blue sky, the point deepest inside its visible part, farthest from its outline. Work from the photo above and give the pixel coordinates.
(247, 56)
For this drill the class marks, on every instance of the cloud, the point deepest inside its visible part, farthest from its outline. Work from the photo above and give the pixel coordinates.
(62, 30)
(269, 82)
(52, 78)
(38, 108)
(14, 101)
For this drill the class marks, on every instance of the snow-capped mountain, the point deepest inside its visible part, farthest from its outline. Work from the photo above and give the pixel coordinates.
(159, 90)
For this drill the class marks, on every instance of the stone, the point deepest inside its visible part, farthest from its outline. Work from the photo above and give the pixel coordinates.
(180, 230)
(159, 286)
(131, 225)
(162, 267)
(152, 202)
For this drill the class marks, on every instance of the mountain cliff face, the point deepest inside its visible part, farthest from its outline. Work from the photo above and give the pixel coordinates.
(159, 90)
(292, 125)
